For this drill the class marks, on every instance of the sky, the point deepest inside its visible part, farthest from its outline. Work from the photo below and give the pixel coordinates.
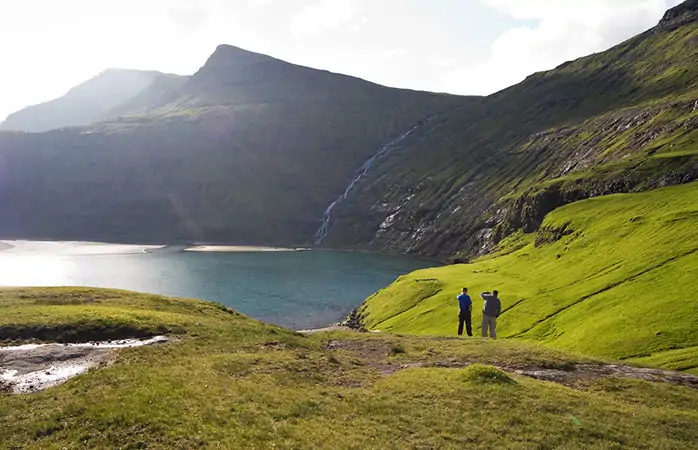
(457, 46)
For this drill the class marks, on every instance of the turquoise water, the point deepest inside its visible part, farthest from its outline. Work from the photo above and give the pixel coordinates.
(293, 289)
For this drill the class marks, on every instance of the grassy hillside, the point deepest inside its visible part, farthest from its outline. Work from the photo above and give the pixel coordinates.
(613, 276)
(622, 120)
(231, 382)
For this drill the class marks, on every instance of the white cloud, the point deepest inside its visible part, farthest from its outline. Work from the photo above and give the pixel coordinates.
(325, 15)
(565, 30)
(259, 3)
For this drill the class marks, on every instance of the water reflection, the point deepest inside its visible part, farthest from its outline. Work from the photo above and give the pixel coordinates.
(293, 289)
(33, 270)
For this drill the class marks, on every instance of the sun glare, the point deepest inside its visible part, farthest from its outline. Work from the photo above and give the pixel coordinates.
(34, 270)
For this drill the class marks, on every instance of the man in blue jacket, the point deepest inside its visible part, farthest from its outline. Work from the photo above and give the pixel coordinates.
(465, 304)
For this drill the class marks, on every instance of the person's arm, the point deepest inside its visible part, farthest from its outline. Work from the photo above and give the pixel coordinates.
(499, 308)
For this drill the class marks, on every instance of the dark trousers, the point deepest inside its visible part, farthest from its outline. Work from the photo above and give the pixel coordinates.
(465, 317)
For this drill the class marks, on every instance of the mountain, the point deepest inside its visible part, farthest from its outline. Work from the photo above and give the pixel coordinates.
(249, 149)
(162, 88)
(255, 150)
(619, 121)
(88, 102)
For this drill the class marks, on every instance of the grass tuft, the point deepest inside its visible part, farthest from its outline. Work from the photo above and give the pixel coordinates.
(478, 373)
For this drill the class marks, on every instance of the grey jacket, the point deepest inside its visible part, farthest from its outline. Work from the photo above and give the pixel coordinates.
(493, 307)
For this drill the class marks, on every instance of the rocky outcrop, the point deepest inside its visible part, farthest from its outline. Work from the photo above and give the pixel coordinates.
(680, 15)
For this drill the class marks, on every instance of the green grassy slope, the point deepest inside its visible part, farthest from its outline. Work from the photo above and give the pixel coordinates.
(613, 276)
(231, 382)
(622, 120)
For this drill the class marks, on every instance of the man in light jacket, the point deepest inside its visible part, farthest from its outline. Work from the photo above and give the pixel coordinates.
(491, 310)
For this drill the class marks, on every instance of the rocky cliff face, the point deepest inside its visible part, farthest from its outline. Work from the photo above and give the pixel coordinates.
(679, 16)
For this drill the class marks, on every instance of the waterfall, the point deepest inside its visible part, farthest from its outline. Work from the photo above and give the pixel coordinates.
(361, 172)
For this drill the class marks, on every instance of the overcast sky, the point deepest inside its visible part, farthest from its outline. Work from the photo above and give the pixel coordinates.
(458, 46)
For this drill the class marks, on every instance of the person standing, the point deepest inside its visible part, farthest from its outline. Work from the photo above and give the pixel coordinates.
(490, 312)
(465, 305)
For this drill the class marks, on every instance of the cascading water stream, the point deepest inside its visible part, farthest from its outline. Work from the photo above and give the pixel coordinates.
(324, 229)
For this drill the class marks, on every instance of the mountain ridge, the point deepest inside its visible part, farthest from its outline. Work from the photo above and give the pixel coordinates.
(88, 102)
(210, 159)
(274, 133)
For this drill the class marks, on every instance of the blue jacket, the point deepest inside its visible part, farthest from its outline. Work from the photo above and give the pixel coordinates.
(464, 302)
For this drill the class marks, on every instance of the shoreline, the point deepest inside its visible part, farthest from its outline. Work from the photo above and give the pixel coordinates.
(92, 247)
(59, 248)
(240, 249)
(198, 247)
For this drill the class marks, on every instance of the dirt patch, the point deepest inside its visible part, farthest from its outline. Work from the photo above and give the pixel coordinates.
(34, 367)
(376, 354)
(373, 353)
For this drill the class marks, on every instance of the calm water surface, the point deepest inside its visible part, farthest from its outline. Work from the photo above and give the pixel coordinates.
(294, 289)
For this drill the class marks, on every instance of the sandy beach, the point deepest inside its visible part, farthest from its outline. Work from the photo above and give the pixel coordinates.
(73, 248)
(240, 248)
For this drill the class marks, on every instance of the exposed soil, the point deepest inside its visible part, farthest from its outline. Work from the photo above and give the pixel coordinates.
(66, 333)
(376, 354)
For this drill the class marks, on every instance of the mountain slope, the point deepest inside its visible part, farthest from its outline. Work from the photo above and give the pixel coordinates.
(612, 276)
(249, 149)
(622, 120)
(161, 90)
(88, 102)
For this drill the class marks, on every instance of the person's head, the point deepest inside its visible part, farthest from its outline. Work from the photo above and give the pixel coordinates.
(495, 293)
(465, 290)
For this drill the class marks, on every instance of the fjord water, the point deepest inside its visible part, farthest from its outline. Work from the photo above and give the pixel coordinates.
(299, 290)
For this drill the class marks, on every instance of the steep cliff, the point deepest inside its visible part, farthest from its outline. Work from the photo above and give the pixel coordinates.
(619, 121)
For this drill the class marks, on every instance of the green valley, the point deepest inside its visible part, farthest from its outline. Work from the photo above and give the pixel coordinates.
(573, 193)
